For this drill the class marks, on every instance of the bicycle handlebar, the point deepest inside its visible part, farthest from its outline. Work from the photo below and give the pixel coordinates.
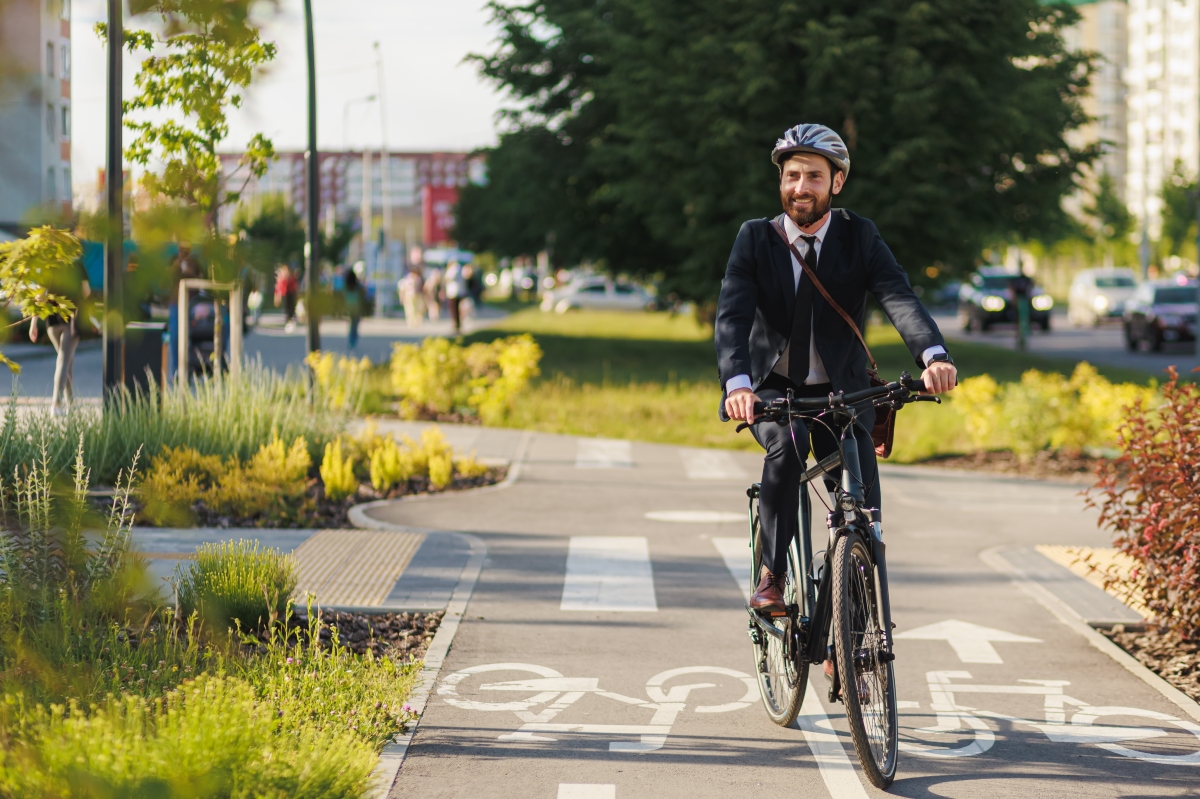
(900, 391)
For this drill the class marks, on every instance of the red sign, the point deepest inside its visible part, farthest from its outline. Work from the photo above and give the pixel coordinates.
(437, 212)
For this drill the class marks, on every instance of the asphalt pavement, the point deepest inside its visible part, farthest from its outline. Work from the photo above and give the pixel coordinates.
(604, 650)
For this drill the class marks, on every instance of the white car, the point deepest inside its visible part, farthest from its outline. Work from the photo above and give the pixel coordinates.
(597, 293)
(1099, 294)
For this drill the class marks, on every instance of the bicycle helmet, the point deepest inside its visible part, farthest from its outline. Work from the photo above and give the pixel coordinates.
(811, 138)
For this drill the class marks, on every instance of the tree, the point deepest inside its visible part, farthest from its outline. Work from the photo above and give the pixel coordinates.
(1179, 211)
(272, 230)
(209, 54)
(661, 113)
(30, 264)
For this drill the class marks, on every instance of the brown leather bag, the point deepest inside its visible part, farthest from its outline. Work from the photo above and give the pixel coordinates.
(885, 418)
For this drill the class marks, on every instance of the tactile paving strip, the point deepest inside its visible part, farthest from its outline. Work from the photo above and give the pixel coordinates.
(353, 568)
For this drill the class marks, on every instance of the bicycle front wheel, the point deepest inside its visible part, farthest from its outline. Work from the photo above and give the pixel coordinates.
(782, 671)
(864, 667)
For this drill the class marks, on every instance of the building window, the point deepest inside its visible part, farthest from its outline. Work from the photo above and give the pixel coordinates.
(51, 185)
(67, 192)
(64, 49)
(66, 122)
(49, 59)
(64, 9)
(50, 120)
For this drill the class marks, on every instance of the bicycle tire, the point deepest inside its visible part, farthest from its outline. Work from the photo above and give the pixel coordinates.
(782, 672)
(868, 681)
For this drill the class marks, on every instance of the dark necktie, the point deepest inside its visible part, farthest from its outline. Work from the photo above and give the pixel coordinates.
(798, 346)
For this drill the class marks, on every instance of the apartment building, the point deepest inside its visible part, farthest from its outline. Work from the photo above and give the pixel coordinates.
(35, 111)
(1163, 101)
(1103, 29)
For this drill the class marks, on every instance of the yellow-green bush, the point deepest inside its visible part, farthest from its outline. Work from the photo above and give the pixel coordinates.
(341, 382)
(337, 472)
(442, 377)
(393, 463)
(1046, 410)
(236, 581)
(271, 486)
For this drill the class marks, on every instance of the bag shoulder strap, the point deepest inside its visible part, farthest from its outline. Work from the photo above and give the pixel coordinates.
(817, 283)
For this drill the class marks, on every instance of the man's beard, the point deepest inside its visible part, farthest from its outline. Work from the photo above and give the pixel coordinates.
(818, 209)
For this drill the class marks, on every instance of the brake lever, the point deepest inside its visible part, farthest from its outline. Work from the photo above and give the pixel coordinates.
(926, 398)
(742, 427)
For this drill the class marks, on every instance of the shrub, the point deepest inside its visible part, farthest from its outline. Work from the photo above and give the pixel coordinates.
(440, 377)
(341, 382)
(235, 581)
(1150, 498)
(391, 465)
(337, 473)
(271, 487)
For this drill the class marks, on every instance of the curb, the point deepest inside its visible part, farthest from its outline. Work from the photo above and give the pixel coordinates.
(1067, 615)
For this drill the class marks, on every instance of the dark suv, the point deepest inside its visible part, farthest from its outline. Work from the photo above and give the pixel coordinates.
(988, 298)
(1161, 311)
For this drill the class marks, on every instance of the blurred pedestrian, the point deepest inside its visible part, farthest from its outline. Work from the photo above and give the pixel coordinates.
(355, 302)
(433, 292)
(63, 332)
(412, 296)
(287, 288)
(456, 292)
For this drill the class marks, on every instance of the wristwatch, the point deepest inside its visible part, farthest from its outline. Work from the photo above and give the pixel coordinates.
(941, 357)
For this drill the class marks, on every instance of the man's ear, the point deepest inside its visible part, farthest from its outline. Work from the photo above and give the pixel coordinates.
(839, 180)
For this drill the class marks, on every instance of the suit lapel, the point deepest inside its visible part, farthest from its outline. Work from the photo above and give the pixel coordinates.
(781, 258)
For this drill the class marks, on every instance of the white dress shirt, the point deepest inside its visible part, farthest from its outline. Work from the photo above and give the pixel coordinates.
(816, 368)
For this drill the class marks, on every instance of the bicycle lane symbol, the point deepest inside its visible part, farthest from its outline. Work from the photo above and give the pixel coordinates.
(557, 693)
(1079, 729)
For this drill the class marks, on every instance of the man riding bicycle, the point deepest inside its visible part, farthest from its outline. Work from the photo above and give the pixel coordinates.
(776, 331)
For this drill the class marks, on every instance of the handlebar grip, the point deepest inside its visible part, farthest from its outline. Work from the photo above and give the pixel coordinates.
(917, 384)
(759, 407)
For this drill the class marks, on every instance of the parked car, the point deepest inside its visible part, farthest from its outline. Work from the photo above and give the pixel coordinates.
(1161, 311)
(598, 293)
(1099, 294)
(988, 299)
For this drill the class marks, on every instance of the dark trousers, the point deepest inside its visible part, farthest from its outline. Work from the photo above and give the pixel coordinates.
(783, 466)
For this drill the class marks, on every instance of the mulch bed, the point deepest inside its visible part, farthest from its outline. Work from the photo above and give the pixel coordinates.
(326, 513)
(404, 637)
(1166, 654)
(1079, 468)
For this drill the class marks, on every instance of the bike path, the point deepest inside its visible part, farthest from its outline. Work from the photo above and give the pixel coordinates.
(604, 653)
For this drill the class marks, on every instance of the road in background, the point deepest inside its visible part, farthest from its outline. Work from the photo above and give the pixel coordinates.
(1096, 345)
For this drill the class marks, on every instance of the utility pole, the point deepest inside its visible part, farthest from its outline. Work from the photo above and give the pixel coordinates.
(387, 183)
(312, 249)
(366, 206)
(114, 186)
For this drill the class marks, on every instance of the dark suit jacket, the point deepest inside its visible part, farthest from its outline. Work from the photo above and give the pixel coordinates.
(758, 298)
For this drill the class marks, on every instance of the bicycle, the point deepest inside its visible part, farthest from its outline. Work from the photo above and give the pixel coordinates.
(844, 597)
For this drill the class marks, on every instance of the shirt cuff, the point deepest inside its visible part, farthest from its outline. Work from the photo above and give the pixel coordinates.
(936, 349)
(736, 382)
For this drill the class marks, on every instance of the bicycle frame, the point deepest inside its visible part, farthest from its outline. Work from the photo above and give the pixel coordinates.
(817, 614)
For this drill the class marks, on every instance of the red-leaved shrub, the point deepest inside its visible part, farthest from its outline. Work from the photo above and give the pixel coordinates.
(1150, 498)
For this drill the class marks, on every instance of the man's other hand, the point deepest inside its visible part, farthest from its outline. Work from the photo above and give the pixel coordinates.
(740, 404)
(939, 378)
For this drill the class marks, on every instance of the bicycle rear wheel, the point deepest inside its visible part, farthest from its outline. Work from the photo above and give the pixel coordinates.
(782, 671)
(867, 680)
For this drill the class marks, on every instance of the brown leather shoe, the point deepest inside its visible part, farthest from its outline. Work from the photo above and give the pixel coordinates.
(768, 597)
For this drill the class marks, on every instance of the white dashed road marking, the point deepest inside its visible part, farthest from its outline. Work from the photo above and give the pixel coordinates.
(576, 791)
(609, 573)
(603, 453)
(711, 464)
(695, 516)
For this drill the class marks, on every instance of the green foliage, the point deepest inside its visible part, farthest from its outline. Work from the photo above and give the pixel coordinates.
(1179, 211)
(274, 232)
(628, 114)
(28, 266)
(215, 416)
(270, 489)
(393, 463)
(1113, 221)
(196, 70)
(1047, 410)
(210, 737)
(441, 377)
(341, 382)
(236, 582)
(337, 472)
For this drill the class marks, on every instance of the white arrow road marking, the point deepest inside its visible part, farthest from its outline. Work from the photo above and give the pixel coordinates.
(972, 642)
(696, 517)
(609, 573)
(711, 464)
(603, 453)
(568, 790)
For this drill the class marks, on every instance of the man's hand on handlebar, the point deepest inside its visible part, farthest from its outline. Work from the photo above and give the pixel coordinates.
(939, 377)
(740, 404)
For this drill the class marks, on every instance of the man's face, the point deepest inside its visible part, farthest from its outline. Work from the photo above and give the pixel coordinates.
(806, 187)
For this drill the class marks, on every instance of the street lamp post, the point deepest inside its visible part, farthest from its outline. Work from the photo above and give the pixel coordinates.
(312, 254)
(114, 269)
